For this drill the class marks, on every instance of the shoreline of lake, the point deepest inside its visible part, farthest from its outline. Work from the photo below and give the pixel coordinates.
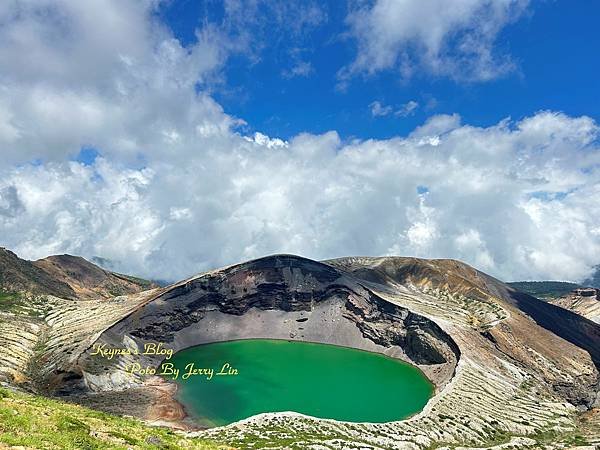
(238, 404)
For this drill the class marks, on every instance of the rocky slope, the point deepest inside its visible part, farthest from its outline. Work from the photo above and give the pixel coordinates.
(583, 301)
(508, 368)
(284, 297)
(64, 276)
(88, 280)
(41, 326)
(18, 275)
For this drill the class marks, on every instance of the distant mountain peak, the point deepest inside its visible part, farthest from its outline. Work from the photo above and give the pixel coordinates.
(19, 275)
(65, 276)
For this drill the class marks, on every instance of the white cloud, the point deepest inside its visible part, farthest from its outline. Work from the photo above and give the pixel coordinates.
(264, 140)
(299, 69)
(176, 189)
(407, 109)
(437, 125)
(423, 230)
(379, 110)
(316, 196)
(102, 73)
(445, 38)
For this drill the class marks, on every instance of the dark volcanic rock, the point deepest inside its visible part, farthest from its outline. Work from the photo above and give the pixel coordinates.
(284, 284)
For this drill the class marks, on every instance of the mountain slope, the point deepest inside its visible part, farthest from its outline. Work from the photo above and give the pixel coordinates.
(545, 290)
(505, 364)
(88, 280)
(557, 330)
(33, 293)
(583, 301)
(35, 422)
(64, 276)
(18, 275)
(508, 368)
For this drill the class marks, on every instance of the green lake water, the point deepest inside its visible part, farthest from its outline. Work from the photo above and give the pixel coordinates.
(320, 380)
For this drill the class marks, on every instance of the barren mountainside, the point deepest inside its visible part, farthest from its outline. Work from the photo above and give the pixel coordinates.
(507, 367)
(18, 275)
(583, 301)
(64, 276)
(88, 280)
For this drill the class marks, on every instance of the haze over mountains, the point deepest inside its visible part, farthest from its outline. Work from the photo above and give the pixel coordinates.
(594, 279)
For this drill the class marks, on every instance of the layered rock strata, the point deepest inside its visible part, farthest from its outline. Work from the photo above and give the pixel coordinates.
(282, 297)
(507, 367)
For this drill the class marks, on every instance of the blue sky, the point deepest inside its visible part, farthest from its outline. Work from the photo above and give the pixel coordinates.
(554, 45)
(176, 136)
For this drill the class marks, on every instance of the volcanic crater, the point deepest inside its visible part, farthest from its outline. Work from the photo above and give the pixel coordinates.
(506, 366)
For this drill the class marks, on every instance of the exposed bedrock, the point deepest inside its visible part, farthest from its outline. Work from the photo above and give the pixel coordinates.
(558, 346)
(280, 297)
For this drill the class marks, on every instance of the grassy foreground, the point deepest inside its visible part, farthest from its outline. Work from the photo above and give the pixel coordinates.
(35, 422)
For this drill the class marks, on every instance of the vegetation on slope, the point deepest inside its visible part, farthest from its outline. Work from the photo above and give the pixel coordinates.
(544, 290)
(10, 301)
(41, 423)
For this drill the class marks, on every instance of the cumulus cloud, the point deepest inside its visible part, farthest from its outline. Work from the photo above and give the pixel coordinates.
(450, 39)
(319, 197)
(177, 188)
(66, 82)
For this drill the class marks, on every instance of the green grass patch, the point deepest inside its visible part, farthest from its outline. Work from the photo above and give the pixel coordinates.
(11, 302)
(44, 423)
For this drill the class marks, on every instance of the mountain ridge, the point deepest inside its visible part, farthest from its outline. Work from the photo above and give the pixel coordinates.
(65, 276)
(481, 342)
(89, 280)
(19, 275)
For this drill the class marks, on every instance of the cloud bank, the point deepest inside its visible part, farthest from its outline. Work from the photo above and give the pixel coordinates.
(516, 200)
(178, 188)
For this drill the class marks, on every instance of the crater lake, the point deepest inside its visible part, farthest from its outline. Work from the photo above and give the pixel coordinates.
(224, 382)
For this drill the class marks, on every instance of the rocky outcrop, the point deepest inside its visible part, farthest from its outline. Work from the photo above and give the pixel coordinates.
(547, 341)
(583, 301)
(386, 324)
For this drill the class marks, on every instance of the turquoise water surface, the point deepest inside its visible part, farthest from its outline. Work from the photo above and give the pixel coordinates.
(229, 381)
